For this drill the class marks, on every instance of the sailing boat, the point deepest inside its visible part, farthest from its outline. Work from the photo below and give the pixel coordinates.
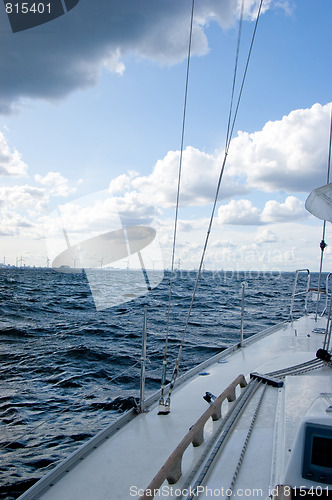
(254, 420)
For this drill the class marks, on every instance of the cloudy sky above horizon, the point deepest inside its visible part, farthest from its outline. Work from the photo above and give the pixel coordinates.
(90, 123)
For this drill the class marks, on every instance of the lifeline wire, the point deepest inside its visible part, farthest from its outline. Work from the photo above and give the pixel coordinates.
(163, 377)
(177, 362)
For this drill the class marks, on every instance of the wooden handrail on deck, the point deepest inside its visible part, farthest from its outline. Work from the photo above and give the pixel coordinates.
(171, 470)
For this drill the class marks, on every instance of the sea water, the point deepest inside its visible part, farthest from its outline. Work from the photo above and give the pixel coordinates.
(67, 370)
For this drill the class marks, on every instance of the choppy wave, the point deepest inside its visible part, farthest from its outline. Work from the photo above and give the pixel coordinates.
(65, 364)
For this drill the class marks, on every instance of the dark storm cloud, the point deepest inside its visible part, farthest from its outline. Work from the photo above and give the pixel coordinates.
(54, 59)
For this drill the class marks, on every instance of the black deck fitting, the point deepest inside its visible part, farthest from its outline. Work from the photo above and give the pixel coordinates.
(267, 380)
(324, 355)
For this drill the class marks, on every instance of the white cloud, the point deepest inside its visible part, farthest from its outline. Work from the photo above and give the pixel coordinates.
(12, 223)
(239, 212)
(135, 208)
(113, 63)
(98, 213)
(291, 209)
(266, 235)
(87, 215)
(288, 154)
(166, 41)
(223, 244)
(122, 182)
(11, 163)
(200, 172)
(243, 212)
(20, 209)
(59, 184)
(23, 197)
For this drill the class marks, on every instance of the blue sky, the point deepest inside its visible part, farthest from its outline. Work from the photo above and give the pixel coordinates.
(93, 102)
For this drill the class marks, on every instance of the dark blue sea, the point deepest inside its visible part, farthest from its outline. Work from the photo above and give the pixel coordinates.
(68, 370)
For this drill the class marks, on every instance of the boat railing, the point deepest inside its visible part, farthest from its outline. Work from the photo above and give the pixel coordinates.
(244, 284)
(300, 293)
(172, 468)
(326, 291)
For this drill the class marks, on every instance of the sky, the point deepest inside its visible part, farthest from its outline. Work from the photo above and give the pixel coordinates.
(91, 107)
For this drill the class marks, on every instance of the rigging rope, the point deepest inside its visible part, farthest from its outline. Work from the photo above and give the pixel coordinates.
(163, 376)
(322, 244)
(235, 72)
(228, 141)
(245, 445)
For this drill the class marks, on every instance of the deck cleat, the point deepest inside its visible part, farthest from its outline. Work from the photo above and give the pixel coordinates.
(164, 406)
(209, 397)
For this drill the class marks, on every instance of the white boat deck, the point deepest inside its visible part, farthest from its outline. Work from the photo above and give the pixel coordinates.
(125, 463)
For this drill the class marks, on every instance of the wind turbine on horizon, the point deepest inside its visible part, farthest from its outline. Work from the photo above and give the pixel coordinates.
(153, 262)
